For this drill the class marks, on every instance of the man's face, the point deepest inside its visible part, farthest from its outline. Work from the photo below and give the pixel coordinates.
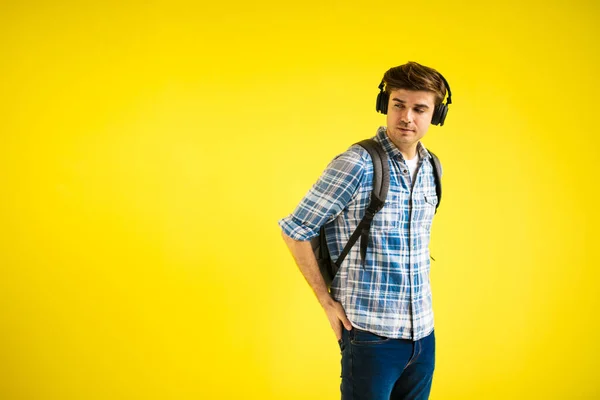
(409, 116)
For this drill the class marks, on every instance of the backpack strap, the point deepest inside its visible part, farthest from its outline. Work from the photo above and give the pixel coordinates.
(437, 175)
(381, 185)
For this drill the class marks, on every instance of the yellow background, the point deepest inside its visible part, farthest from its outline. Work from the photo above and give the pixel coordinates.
(148, 149)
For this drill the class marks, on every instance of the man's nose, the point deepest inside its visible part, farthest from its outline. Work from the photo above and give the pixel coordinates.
(406, 116)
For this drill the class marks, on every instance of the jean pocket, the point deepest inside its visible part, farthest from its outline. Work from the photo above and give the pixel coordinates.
(365, 338)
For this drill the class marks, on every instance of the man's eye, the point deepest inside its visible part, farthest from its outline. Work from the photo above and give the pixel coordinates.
(398, 105)
(420, 111)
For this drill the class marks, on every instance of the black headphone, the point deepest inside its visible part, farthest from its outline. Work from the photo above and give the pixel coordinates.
(439, 114)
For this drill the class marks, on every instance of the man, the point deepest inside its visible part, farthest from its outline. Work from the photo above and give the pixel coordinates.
(380, 311)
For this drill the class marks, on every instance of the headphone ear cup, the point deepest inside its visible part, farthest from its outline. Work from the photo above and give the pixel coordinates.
(381, 106)
(385, 99)
(435, 119)
(378, 102)
(443, 112)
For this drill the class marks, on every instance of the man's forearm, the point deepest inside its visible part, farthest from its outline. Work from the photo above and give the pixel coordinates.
(307, 263)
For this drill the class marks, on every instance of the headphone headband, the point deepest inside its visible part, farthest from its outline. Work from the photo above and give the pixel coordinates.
(449, 99)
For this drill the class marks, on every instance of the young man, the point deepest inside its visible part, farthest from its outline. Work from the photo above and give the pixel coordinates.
(380, 311)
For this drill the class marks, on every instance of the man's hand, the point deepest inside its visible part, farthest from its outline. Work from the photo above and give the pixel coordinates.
(336, 316)
(307, 263)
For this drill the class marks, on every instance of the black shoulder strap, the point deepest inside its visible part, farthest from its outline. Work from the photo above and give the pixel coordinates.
(381, 169)
(437, 175)
(381, 185)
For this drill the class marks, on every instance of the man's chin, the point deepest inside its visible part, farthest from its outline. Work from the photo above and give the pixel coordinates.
(406, 136)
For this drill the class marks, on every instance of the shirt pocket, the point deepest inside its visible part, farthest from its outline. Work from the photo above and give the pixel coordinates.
(431, 199)
(388, 218)
(429, 203)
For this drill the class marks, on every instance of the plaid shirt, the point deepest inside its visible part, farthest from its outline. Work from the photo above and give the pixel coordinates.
(391, 295)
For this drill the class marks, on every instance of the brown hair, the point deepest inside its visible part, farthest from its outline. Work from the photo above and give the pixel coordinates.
(414, 76)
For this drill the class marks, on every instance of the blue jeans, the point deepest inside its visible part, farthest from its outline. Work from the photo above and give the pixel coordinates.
(379, 368)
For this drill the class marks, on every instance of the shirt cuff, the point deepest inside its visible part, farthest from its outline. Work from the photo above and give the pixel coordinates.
(294, 229)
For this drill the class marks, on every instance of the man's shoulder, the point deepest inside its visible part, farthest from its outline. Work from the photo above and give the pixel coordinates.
(355, 154)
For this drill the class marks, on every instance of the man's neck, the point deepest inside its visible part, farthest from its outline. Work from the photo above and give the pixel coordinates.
(408, 152)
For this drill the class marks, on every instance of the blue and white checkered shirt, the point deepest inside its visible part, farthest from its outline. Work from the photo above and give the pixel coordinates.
(391, 295)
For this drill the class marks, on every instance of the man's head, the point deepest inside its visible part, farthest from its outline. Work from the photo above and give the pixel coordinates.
(414, 76)
(413, 91)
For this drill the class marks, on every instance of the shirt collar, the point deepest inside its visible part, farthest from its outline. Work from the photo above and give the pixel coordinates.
(391, 148)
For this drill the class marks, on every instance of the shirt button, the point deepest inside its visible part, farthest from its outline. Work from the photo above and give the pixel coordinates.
(405, 171)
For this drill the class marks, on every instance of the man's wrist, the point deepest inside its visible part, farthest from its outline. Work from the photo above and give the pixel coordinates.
(325, 299)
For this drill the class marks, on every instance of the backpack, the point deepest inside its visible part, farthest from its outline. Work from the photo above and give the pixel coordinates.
(381, 184)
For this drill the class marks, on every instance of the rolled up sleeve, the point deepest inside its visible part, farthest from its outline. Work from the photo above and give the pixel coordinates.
(328, 197)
